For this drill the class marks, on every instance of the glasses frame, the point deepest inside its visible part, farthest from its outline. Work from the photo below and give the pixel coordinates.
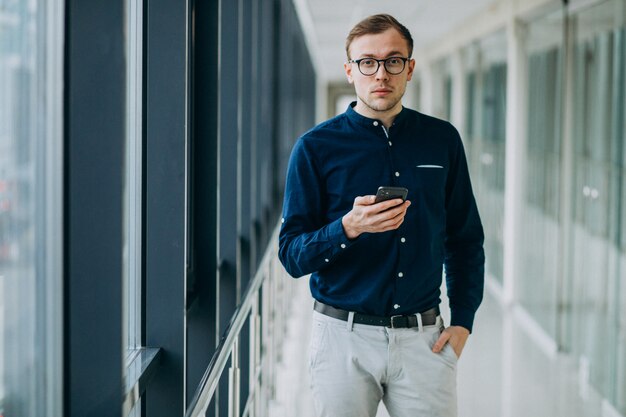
(378, 61)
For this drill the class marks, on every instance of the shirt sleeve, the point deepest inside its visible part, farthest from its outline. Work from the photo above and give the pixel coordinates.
(465, 257)
(307, 241)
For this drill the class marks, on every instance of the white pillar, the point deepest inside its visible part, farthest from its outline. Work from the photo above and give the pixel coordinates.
(426, 89)
(459, 92)
(321, 99)
(516, 120)
(411, 98)
(566, 191)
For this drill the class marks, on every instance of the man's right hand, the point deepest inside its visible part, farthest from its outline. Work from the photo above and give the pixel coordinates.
(369, 217)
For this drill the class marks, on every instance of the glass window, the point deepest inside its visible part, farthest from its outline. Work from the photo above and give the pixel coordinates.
(342, 102)
(31, 58)
(442, 89)
(486, 120)
(595, 313)
(133, 175)
(620, 291)
(471, 141)
(540, 257)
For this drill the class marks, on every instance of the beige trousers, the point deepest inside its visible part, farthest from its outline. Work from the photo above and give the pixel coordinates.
(354, 367)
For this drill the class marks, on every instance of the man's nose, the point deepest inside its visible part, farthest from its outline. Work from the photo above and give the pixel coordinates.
(381, 73)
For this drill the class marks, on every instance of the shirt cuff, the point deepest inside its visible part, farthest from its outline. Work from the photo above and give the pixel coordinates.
(337, 235)
(462, 317)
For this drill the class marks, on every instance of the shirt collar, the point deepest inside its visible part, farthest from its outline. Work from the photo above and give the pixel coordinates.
(366, 121)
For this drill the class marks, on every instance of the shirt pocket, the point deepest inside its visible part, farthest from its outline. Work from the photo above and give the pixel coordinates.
(430, 183)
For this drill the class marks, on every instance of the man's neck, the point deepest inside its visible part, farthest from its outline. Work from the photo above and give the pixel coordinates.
(386, 117)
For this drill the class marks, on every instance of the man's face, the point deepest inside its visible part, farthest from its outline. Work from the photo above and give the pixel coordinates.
(380, 92)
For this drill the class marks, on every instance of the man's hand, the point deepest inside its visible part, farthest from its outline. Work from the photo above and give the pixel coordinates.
(366, 216)
(456, 336)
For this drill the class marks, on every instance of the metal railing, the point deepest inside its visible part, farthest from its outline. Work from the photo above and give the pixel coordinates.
(264, 305)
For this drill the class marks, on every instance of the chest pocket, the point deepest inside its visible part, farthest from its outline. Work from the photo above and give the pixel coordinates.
(430, 182)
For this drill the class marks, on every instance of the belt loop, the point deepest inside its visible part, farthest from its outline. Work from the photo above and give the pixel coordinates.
(420, 324)
(350, 320)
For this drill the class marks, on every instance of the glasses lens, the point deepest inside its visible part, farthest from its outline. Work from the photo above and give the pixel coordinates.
(394, 65)
(368, 66)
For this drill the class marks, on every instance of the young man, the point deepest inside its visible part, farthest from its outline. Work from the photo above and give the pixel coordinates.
(376, 267)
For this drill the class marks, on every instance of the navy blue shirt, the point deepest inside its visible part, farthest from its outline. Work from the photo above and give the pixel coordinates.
(394, 272)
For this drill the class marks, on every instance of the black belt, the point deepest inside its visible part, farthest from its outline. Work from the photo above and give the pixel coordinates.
(429, 317)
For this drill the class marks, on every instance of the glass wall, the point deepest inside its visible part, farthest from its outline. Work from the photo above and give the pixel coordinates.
(540, 261)
(133, 188)
(594, 324)
(442, 89)
(30, 201)
(485, 138)
(572, 269)
(133, 173)
(572, 243)
(472, 108)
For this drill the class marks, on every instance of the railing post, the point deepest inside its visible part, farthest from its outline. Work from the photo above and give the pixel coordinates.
(255, 357)
(234, 381)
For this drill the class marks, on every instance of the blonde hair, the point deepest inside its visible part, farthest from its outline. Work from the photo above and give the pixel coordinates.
(378, 23)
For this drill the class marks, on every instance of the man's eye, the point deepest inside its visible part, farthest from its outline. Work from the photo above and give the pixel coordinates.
(368, 62)
(394, 61)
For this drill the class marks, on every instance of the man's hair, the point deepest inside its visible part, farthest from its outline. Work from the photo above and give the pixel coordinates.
(375, 24)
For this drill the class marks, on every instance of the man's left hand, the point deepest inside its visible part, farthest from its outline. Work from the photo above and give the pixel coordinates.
(456, 336)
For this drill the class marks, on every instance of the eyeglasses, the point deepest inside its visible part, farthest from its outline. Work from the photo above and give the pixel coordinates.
(369, 66)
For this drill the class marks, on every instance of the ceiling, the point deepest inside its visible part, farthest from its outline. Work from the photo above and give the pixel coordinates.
(327, 22)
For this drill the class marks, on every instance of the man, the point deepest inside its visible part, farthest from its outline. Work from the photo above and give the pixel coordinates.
(376, 268)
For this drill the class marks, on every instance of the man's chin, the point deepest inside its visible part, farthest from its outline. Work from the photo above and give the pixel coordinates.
(381, 105)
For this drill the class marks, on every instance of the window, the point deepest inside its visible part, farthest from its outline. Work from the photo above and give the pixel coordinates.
(31, 60)
(133, 196)
(486, 115)
(595, 318)
(133, 190)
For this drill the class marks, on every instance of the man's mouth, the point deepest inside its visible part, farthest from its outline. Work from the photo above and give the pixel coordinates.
(381, 91)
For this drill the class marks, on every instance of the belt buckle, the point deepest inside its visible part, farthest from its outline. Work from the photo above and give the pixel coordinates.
(394, 319)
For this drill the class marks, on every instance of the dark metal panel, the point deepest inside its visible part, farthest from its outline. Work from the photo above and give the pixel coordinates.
(246, 68)
(228, 139)
(166, 205)
(281, 35)
(202, 312)
(228, 142)
(246, 116)
(94, 150)
(255, 133)
(265, 129)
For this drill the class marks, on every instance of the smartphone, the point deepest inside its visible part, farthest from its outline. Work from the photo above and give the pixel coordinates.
(389, 193)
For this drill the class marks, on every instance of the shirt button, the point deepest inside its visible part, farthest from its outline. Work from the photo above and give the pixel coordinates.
(375, 123)
(402, 240)
(326, 260)
(396, 306)
(343, 246)
(389, 143)
(397, 174)
(282, 220)
(400, 274)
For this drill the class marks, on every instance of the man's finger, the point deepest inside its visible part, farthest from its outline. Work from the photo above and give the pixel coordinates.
(365, 200)
(441, 342)
(392, 207)
(387, 204)
(394, 212)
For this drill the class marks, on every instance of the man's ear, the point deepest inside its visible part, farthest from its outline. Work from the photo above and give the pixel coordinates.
(411, 69)
(347, 67)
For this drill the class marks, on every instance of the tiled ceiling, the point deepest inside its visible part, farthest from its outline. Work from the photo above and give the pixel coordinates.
(327, 22)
